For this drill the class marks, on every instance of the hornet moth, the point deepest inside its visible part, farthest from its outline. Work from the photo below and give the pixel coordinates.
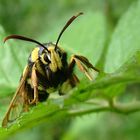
(47, 70)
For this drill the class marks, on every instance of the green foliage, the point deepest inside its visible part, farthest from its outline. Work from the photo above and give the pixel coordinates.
(125, 39)
(113, 49)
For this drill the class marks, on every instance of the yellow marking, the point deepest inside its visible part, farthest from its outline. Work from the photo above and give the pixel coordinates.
(29, 81)
(34, 54)
(39, 68)
(55, 60)
(50, 90)
(50, 48)
(42, 58)
(40, 88)
(65, 87)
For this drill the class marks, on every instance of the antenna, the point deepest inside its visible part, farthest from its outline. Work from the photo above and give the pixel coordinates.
(66, 25)
(25, 39)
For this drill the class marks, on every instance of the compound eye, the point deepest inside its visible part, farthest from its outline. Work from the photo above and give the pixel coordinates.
(59, 53)
(46, 58)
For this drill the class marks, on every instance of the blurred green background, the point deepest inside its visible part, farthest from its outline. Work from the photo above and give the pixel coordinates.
(43, 20)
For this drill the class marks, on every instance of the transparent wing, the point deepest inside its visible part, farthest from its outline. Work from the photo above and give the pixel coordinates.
(18, 101)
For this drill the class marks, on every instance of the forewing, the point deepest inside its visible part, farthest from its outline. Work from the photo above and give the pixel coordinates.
(18, 101)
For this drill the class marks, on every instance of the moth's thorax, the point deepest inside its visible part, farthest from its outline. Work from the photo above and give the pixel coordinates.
(53, 56)
(34, 54)
(51, 65)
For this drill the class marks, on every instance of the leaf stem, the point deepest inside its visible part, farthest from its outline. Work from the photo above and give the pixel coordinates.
(117, 107)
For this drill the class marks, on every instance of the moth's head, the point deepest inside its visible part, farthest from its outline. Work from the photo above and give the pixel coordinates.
(54, 56)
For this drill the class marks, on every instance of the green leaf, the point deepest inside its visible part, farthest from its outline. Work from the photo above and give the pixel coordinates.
(48, 113)
(87, 97)
(125, 40)
(74, 104)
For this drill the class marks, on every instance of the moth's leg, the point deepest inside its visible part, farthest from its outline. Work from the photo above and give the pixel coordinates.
(83, 64)
(71, 66)
(64, 88)
(34, 81)
(71, 82)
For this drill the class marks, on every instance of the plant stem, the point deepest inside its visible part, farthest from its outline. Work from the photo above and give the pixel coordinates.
(117, 107)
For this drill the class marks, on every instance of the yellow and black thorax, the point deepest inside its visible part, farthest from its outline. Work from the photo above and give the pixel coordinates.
(51, 65)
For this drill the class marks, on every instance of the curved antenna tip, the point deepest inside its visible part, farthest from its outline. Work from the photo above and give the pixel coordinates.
(66, 25)
(4, 40)
(81, 13)
(25, 39)
(9, 37)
